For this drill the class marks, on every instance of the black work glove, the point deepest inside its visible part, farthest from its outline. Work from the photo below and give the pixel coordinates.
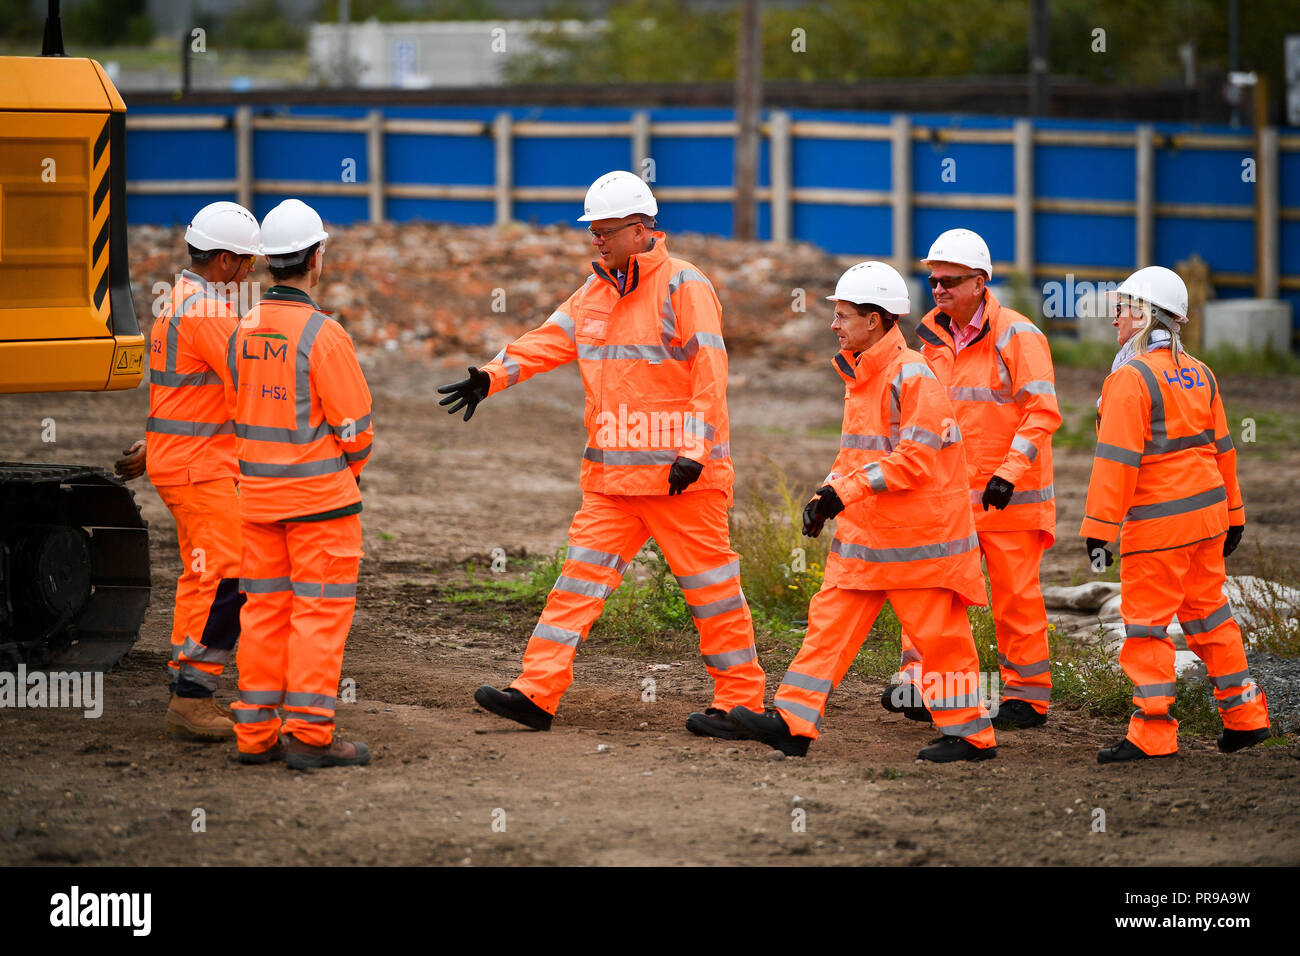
(823, 507)
(466, 393)
(1233, 539)
(997, 493)
(1095, 545)
(685, 471)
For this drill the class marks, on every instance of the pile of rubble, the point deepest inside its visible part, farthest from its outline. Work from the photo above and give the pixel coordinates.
(431, 290)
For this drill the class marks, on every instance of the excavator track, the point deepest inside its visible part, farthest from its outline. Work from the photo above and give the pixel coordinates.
(74, 567)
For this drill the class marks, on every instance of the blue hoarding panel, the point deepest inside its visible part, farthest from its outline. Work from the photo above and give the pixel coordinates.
(459, 211)
(1227, 245)
(336, 210)
(1084, 172)
(445, 160)
(840, 163)
(997, 228)
(1071, 239)
(325, 157)
(169, 210)
(1212, 175)
(572, 162)
(713, 218)
(693, 161)
(184, 154)
(845, 230)
(962, 168)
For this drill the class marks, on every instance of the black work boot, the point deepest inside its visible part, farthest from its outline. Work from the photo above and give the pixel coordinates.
(1017, 715)
(770, 728)
(274, 752)
(1230, 741)
(301, 756)
(512, 704)
(905, 699)
(713, 723)
(1123, 751)
(947, 749)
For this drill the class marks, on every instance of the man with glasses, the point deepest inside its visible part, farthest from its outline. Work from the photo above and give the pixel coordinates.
(998, 370)
(189, 451)
(646, 332)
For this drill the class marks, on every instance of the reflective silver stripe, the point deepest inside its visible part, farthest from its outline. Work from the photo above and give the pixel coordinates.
(720, 450)
(175, 426)
(960, 702)
(648, 353)
(178, 380)
(920, 552)
(802, 711)
(1144, 716)
(301, 699)
(357, 427)
(682, 276)
(1037, 387)
(818, 685)
(1025, 692)
(293, 436)
(1229, 681)
(970, 728)
(1026, 670)
(1155, 690)
(176, 652)
(194, 651)
(358, 455)
(260, 716)
(1160, 442)
(1012, 330)
(195, 676)
(721, 662)
(1178, 506)
(174, 324)
(967, 394)
(1125, 456)
(924, 436)
(714, 608)
(911, 370)
(910, 655)
(302, 369)
(1236, 700)
(1224, 444)
(696, 426)
(874, 478)
(263, 585)
(610, 456)
(510, 365)
(1166, 445)
(591, 556)
(563, 320)
(231, 364)
(559, 635)
(1202, 625)
(308, 718)
(701, 340)
(1031, 496)
(716, 575)
(577, 586)
(261, 698)
(303, 469)
(319, 589)
(1023, 445)
(1145, 630)
(866, 442)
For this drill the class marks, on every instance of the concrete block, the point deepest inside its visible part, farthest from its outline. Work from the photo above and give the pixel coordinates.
(1248, 325)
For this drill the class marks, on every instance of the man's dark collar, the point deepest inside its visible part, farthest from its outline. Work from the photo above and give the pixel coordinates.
(287, 293)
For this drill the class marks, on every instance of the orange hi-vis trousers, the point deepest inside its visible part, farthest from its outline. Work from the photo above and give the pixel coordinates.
(1186, 581)
(205, 624)
(606, 534)
(1019, 617)
(838, 622)
(301, 582)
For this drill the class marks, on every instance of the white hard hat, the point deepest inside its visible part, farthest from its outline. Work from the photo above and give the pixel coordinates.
(1157, 286)
(616, 195)
(224, 225)
(963, 247)
(874, 283)
(289, 228)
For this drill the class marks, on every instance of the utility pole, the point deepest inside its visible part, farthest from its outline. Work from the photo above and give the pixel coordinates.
(1040, 34)
(748, 86)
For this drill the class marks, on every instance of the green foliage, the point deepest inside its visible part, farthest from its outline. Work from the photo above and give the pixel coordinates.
(780, 568)
(106, 23)
(395, 11)
(257, 25)
(20, 25)
(1086, 678)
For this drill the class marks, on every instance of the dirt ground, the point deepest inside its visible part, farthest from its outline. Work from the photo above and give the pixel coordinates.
(618, 780)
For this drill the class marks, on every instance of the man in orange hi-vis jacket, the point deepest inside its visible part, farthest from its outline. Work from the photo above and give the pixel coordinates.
(905, 534)
(1165, 478)
(189, 451)
(646, 332)
(303, 434)
(997, 369)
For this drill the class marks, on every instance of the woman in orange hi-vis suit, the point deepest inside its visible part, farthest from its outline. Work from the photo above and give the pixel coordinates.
(646, 333)
(905, 534)
(303, 434)
(1165, 478)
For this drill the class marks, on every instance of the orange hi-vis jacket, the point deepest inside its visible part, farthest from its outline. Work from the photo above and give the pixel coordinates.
(1165, 469)
(654, 366)
(191, 437)
(302, 410)
(1003, 391)
(901, 474)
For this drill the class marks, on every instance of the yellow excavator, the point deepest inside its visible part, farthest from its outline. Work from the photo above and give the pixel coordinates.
(74, 550)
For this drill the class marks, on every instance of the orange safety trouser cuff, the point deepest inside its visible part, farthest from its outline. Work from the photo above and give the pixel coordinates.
(1188, 582)
(606, 534)
(205, 624)
(838, 622)
(300, 578)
